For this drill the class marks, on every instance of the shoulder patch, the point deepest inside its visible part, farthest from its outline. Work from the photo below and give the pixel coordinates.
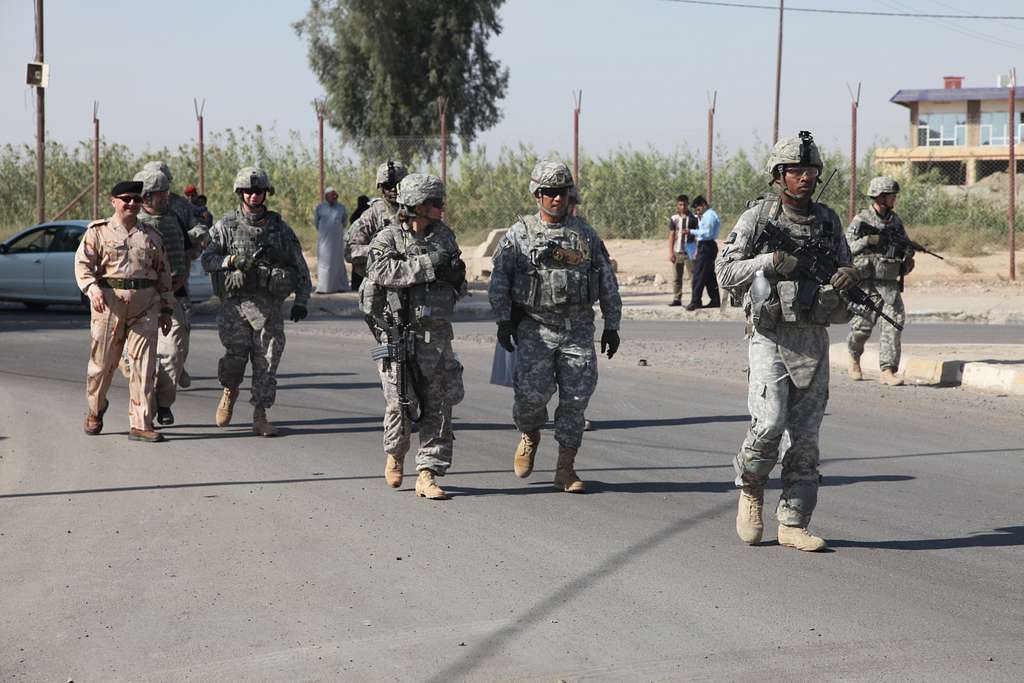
(731, 238)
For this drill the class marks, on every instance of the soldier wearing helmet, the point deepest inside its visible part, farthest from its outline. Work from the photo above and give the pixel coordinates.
(414, 275)
(788, 340)
(881, 264)
(172, 347)
(256, 262)
(549, 271)
(381, 213)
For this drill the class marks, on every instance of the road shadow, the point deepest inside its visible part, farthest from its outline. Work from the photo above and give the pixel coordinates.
(611, 425)
(1006, 536)
(925, 454)
(284, 428)
(309, 385)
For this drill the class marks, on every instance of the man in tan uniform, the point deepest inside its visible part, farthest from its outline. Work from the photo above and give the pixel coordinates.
(121, 266)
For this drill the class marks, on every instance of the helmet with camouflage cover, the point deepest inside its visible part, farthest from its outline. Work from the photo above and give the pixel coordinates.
(152, 181)
(549, 173)
(253, 178)
(883, 184)
(416, 188)
(390, 172)
(158, 166)
(799, 150)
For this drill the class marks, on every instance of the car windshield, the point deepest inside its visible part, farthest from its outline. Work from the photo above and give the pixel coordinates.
(37, 241)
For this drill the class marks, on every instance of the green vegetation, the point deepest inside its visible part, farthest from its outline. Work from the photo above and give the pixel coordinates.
(626, 193)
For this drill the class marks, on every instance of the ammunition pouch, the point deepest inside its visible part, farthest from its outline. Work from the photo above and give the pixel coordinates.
(282, 281)
(829, 307)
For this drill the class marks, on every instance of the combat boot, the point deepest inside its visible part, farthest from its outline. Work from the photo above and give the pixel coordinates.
(226, 407)
(426, 486)
(749, 523)
(565, 475)
(800, 538)
(393, 470)
(887, 377)
(260, 424)
(526, 451)
(853, 369)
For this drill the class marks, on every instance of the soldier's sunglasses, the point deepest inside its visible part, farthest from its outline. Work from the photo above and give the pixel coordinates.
(129, 198)
(554, 191)
(388, 186)
(254, 191)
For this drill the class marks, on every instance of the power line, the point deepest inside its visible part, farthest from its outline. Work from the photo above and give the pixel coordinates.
(915, 15)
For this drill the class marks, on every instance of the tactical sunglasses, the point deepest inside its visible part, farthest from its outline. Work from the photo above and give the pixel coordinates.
(809, 171)
(554, 191)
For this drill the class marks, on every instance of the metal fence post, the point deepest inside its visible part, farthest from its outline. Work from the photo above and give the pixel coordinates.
(95, 160)
(319, 106)
(442, 115)
(200, 108)
(709, 184)
(1011, 212)
(854, 104)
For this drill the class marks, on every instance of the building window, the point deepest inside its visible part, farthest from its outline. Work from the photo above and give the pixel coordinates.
(993, 128)
(942, 130)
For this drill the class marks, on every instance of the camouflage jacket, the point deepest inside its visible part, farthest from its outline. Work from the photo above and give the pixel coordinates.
(234, 233)
(881, 261)
(554, 272)
(399, 260)
(169, 226)
(377, 216)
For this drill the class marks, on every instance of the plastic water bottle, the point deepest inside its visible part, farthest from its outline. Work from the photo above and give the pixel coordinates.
(760, 289)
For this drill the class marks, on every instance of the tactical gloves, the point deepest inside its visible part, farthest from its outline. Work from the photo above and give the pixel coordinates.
(844, 278)
(785, 263)
(299, 312)
(234, 281)
(242, 262)
(507, 336)
(610, 342)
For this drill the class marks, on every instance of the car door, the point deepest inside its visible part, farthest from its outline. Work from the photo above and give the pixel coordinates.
(22, 265)
(59, 266)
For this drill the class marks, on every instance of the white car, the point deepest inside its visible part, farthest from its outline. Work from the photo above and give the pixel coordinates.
(37, 267)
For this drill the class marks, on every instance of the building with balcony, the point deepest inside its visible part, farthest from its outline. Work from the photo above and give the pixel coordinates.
(961, 133)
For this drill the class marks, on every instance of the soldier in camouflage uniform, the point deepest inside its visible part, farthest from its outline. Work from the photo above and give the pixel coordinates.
(549, 270)
(170, 348)
(414, 275)
(196, 236)
(382, 212)
(257, 262)
(788, 342)
(881, 266)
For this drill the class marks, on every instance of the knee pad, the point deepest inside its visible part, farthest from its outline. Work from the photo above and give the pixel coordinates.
(231, 371)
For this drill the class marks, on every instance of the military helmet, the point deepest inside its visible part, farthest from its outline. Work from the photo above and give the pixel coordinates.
(883, 184)
(549, 173)
(799, 150)
(158, 166)
(152, 181)
(253, 178)
(416, 188)
(390, 172)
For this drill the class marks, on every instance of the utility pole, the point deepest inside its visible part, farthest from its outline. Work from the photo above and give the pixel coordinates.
(1011, 213)
(40, 124)
(854, 104)
(200, 108)
(778, 77)
(442, 115)
(319, 105)
(577, 98)
(711, 146)
(95, 160)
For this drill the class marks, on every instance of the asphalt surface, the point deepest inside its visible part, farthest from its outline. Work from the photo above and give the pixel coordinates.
(223, 556)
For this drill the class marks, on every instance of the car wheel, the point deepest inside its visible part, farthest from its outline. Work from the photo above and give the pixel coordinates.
(35, 305)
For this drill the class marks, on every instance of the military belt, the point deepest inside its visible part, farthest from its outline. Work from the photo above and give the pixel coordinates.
(126, 283)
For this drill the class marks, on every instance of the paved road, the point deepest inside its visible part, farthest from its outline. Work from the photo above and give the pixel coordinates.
(222, 556)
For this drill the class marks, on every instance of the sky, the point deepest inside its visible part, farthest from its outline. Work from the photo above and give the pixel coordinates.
(645, 69)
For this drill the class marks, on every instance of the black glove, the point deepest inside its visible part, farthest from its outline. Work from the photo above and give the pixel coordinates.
(299, 312)
(507, 335)
(242, 262)
(610, 342)
(455, 274)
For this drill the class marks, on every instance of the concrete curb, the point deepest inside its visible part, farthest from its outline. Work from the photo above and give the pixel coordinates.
(1005, 377)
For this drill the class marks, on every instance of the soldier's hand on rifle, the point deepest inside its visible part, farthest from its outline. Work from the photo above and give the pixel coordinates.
(299, 312)
(874, 239)
(785, 263)
(844, 278)
(908, 265)
(234, 280)
(610, 342)
(242, 262)
(507, 335)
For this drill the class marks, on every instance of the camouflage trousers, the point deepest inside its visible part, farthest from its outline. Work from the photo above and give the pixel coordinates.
(787, 417)
(889, 346)
(251, 329)
(131, 323)
(171, 350)
(437, 376)
(550, 359)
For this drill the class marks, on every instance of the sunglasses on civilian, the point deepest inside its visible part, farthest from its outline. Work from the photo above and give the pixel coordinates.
(554, 191)
(129, 198)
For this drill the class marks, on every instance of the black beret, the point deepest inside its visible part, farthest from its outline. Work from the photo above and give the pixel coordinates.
(127, 187)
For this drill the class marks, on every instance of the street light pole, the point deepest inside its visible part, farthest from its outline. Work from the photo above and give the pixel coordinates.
(40, 123)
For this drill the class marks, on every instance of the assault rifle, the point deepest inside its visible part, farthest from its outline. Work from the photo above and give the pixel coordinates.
(817, 263)
(399, 349)
(888, 236)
